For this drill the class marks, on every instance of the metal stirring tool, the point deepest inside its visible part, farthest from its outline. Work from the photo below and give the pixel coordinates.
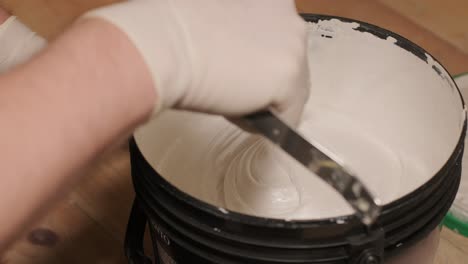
(313, 157)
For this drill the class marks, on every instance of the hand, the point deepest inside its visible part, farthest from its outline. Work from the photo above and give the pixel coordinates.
(225, 57)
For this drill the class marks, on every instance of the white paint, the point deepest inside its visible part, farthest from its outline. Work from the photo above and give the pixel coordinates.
(387, 114)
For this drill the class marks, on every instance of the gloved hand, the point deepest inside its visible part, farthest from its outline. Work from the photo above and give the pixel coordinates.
(226, 57)
(17, 43)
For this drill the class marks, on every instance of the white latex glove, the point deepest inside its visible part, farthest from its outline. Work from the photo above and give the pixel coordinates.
(227, 57)
(17, 43)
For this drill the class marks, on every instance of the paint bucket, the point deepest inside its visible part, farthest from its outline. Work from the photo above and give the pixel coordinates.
(427, 122)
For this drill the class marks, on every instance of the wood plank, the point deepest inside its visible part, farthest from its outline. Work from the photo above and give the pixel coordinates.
(446, 19)
(80, 239)
(453, 248)
(107, 193)
(50, 17)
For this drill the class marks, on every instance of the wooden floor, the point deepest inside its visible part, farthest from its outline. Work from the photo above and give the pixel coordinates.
(88, 226)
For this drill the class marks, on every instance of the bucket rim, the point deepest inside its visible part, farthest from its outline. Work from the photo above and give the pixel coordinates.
(345, 219)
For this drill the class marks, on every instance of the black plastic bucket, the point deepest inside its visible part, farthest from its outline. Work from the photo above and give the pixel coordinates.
(186, 230)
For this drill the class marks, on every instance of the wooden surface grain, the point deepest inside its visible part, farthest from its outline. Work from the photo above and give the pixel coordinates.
(446, 19)
(88, 226)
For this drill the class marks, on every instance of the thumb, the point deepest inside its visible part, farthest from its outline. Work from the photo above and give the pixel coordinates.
(291, 105)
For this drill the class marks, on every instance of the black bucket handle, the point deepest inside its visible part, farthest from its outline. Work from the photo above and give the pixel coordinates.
(136, 227)
(134, 236)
